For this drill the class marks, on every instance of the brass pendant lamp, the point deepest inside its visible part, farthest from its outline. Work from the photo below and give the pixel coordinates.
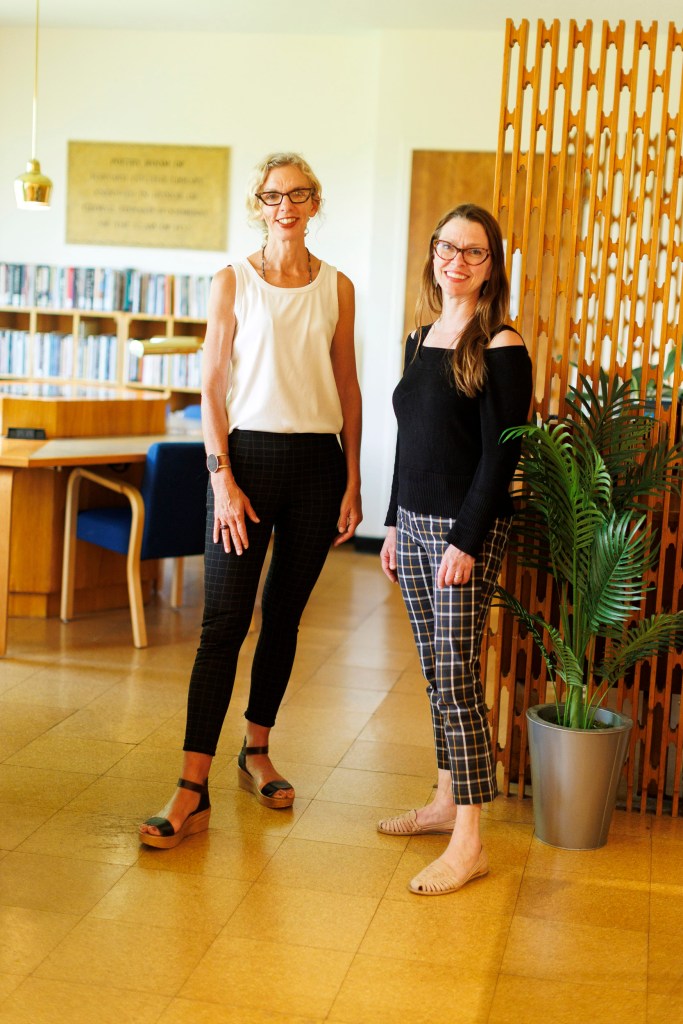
(33, 189)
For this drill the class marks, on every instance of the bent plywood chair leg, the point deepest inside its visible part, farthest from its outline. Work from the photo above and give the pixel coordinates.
(66, 610)
(137, 611)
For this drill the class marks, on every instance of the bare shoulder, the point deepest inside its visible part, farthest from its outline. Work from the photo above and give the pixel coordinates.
(345, 294)
(223, 278)
(344, 285)
(222, 291)
(506, 339)
(221, 300)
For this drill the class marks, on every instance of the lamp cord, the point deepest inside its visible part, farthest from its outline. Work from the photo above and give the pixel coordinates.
(35, 87)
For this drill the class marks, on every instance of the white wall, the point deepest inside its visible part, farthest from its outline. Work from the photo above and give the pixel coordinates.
(436, 91)
(355, 105)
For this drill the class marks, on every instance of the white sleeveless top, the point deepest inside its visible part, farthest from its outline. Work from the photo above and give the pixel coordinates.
(281, 372)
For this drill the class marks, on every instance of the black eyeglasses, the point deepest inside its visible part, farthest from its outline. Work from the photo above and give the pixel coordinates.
(473, 255)
(296, 195)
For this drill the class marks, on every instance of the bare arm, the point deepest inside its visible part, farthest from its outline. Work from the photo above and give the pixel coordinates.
(231, 505)
(344, 367)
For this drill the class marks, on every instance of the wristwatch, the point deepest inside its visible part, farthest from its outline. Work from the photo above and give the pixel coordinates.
(216, 462)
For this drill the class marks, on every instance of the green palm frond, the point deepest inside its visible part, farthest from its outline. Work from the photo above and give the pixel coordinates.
(560, 659)
(595, 475)
(568, 666)
(615, 420)
(561, 497)
(504, 599)
(652, 477)
(651, 636)
(622, 553)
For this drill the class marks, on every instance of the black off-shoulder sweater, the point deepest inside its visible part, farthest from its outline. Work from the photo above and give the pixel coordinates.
(449, 461)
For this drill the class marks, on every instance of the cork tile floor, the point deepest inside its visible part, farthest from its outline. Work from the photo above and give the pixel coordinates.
(299, 916)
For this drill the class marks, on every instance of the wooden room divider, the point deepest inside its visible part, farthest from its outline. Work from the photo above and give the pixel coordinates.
(588, 189)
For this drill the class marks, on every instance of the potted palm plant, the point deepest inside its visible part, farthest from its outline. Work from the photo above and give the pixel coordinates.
(588, 481)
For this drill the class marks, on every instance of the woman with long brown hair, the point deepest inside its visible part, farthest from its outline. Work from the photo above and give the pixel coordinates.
(467, 377)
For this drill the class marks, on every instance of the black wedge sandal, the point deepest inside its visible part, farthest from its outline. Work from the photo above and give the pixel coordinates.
(195, 822)
(265, 795)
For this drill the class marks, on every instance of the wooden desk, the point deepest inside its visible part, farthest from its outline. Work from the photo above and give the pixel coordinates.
(80, 451)
(41, 523)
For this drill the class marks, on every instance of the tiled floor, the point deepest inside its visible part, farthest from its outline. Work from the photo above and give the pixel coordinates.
(286, 917)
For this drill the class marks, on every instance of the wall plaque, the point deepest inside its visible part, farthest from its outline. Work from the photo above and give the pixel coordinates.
(158, 196)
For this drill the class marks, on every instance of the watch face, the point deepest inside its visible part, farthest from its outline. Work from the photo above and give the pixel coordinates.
(212, 463)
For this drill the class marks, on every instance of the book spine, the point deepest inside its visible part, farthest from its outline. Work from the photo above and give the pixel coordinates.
(42, 286)
(126, 304)
(68, 356)
(28, 285)
(88, 287)
(4, 351)
(15, 289)
(80, 358)
(98, 288)
(68, 288)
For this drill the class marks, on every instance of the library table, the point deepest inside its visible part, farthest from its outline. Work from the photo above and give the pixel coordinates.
(17, 457)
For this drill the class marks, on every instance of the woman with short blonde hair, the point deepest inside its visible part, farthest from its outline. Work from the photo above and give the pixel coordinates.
(281, 417)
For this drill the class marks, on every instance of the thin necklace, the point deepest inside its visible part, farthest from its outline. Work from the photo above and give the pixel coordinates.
(263, 265)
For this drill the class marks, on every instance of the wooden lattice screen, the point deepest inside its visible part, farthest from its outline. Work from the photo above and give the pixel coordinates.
(589, 194)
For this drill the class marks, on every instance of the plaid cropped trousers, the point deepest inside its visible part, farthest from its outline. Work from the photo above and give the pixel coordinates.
(448, 626)
(295, 484)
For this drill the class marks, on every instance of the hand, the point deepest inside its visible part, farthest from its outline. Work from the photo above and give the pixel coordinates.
(387, 555)
(350, 516)
(231, 509)
(455, 569)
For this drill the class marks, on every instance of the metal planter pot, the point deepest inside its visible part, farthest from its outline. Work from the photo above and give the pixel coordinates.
(574, 776)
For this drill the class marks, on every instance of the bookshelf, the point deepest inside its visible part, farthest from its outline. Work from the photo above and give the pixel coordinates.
(73, 324)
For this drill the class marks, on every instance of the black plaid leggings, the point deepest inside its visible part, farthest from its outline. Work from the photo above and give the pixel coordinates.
(448, 626)
(295, 483)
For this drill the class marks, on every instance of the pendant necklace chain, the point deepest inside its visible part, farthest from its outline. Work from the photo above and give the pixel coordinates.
(263, 265)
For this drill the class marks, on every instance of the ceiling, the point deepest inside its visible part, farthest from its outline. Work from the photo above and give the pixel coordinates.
(323, 16)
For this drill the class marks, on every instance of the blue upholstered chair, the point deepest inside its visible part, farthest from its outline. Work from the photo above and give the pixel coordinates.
(164, 518)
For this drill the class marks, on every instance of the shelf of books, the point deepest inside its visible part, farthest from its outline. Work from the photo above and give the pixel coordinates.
(75, 323)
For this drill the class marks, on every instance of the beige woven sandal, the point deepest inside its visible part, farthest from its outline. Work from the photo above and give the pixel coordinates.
(407, 825)
(437, 879)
